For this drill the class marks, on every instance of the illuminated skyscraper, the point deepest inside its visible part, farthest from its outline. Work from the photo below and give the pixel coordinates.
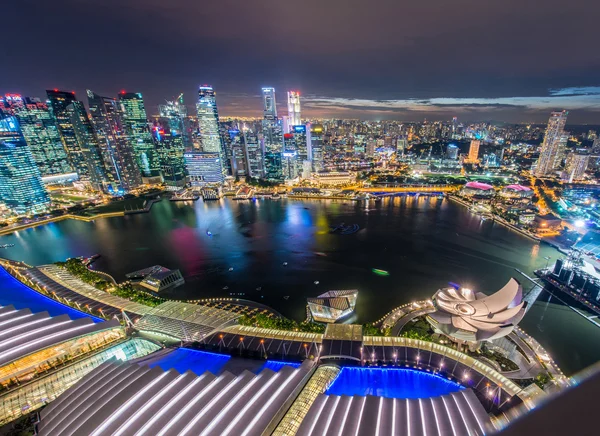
(21, 187)
(41, 134)
(272, 129)
(80, 144)
(316, 138)
(474, 151)
(135, 124)
(289, 157)
(269, 104)
(577, 164)
(294, 108)
(253, 153)
(208, 124)
(118, 156)
(554, 140)
(170, 136)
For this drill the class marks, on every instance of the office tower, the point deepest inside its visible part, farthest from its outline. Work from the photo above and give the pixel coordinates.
(302, 136)
(85, 135)
(118, 155)
(204, 168)
(576, 166)
(253, 154)
(80, 144)
(137, 130)
(452, 152)
(208, 124)
(272, 130)
(554, 141)
(289, 157)
(40, 133)
(294, 108)
(169, 134)
(234, 137)
(285, 122)
(474, 151)
(226, 139)
(21, 187)
(269, 104)
(316, 137)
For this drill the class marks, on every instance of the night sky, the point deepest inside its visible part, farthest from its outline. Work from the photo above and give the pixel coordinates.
(505, 60)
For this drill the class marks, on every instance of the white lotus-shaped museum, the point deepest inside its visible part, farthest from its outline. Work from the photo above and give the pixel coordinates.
(467, 316)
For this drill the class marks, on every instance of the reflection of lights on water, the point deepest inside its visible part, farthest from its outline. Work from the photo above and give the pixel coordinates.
(535, 250)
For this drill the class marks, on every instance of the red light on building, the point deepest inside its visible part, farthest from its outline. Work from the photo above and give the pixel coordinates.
(287, 136)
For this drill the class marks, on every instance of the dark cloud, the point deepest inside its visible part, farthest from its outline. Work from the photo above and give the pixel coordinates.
(378, 50)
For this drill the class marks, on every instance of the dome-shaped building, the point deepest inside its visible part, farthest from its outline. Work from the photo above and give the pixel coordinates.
(466, 316)
(516, 191)
(478, 189)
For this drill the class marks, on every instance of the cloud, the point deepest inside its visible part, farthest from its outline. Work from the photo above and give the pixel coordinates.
(584, 90)
(565, 98)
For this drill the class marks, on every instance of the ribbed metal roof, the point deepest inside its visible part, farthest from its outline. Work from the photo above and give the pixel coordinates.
(457, 414)
(127, 398)
(23, 332)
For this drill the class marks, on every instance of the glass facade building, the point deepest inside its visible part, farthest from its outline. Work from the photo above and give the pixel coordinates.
(211, 140)
(272, 130)
(135, 122)
(21, 187)
(41, 134)
(170, 134)
(77, 136)
(117, 154)
(204, 168)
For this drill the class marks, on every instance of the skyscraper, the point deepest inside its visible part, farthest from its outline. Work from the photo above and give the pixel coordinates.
(316, 137)
(272, 129)
(577, 164)
(118, 156)
(294, 108)
(253, 153)
(135, 123)
(474, 151)
(82, 149)
(554, 140)
(85, 135)
(21, 187)
(170, 136)
(41, 134)
(208, 124)
(269, 104)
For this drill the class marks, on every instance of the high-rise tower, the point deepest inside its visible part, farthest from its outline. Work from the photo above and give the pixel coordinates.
(137, 129)
(170, 135)
(21, 187)
(77, 136)
(272, 129)
(294, 108)
(208, 124)
(41, 134)
(117, 153)
(554, 141)
(269, 104)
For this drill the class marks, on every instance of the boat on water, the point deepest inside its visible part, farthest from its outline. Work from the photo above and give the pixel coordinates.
(231, 269)
(285, 263)
(316, 282)
(7, 245)
(380, 272)
(225, 287)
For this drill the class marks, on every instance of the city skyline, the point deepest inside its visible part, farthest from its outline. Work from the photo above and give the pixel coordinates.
(433, 61)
